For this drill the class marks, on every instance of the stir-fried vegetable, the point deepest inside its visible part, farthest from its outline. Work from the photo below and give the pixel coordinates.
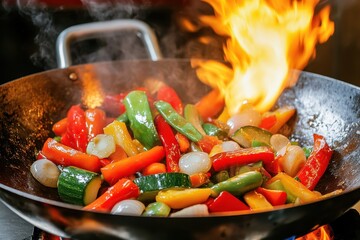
(141, 153)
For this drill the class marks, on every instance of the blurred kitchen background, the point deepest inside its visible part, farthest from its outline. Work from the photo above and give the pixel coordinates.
(29, 29)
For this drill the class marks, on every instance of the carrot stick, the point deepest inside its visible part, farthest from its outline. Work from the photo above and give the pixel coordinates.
(125, 167)
(59, 128)
(154, 168)
(123, 189)
(183, 142)
(63, 155)
(211, 104)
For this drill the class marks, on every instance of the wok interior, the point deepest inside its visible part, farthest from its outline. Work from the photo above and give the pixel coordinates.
(32, 104)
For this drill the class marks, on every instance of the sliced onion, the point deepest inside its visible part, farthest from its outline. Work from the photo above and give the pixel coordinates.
(45, 172)
(102, 146)
(128, 207)
(293, 160)
(192, 211)
(278, 142)
(226, 146)
(195, 162)
(247, 117)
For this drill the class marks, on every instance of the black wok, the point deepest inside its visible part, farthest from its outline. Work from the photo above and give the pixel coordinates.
(31, 105)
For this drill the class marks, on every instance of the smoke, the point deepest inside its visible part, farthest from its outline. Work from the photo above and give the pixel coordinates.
(175, 41)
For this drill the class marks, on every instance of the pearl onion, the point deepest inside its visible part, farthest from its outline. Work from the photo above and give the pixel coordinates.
(293, 160)
(128, 207)
(247, 117)
(195, 162)
(46, 172)
(102, 146)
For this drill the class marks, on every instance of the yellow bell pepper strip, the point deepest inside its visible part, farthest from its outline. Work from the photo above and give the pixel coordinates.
(281, 115)
(128, 166)
(168, 94)
(177, 199)
(122, 137)
(239, 184)
(226, 202)
(277, 185)
(317, 163)
(168, 140)
(76, 135)
(242, 156)
(177, 121)
(294, 187)
(275, 197)
(121, 190)
(257, 201)
(61, 154)
(141, 120)
(214, 99)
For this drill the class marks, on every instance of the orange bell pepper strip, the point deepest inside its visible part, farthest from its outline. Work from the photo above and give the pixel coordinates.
(128, 166)
(95, 122)
(273, 121)
(61, 154)
(210, 105)
(123, 189)
(184, 143)
(198, 179)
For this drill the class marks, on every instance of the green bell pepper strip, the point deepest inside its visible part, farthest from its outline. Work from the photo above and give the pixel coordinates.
(177, 121)
(239, 184)
(141, 120)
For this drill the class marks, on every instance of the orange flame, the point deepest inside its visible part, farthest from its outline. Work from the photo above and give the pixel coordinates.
(265, 40)
(322, 233)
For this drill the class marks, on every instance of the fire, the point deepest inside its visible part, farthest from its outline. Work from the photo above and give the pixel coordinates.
(322, 233)
(266, 39)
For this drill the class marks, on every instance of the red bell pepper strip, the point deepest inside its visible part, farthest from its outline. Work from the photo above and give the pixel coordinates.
(226, 202)
(211, 104)
(275, 197)
(208, 142)
(76, 135)
(242, 156)
(168, 140)
(61, 154)
(316, 164)
(268, 122)
(59, 128)
(95, 122)
(168, 94)
(113, 104)
(123, 189)
(128, 166)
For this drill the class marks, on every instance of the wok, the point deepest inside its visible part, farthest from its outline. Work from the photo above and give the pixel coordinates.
(30, 105)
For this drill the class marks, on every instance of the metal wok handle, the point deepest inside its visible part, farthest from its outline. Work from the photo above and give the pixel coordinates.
(97, 29)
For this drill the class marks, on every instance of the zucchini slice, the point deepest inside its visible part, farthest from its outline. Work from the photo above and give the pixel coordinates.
(78, 186)
(150, 185)
(248, 135)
